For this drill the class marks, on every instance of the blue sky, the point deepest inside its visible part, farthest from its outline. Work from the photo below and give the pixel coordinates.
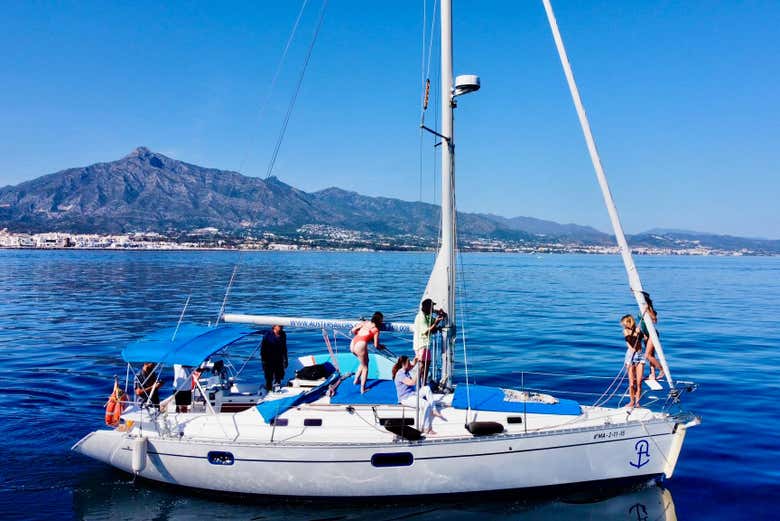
(682, 96)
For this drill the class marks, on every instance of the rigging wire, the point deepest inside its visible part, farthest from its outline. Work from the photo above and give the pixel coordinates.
(181, 317)
(262, 110)
(277, 73)
(227, 292)
(424, 103)
(294, 98)
(425, 81)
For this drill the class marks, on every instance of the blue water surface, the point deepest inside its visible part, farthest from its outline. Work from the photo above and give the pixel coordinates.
(65, 315)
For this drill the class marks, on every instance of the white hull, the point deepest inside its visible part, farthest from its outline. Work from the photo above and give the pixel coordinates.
(322, 469)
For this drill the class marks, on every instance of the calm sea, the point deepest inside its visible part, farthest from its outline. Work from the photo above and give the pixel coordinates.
(65, 315)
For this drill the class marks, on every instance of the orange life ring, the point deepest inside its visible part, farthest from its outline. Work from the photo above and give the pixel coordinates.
(114, 408)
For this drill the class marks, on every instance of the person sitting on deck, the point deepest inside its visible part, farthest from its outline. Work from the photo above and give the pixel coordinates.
(273, 354)
(147, 385)
(406, 387)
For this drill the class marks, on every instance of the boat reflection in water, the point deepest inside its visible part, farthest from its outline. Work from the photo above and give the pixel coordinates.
(109, 500)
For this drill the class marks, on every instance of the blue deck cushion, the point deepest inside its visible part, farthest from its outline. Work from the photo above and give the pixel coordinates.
(492, 399)
(271, 409)
(378, 392)
(192, 345)
(379, 367)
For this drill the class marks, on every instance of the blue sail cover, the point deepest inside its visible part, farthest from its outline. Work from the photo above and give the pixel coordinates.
(192, 345)
(486, 398)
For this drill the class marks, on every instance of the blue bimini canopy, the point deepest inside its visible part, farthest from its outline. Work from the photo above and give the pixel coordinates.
(191, 346)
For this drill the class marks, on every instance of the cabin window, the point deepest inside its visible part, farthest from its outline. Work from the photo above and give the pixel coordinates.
(279, 422)
(392, 459)
(385, 422)
(312, 422)
(218, 457)
(514, 419)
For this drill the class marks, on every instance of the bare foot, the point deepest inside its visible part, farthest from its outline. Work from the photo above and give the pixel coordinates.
(430, 432)
(661, 375)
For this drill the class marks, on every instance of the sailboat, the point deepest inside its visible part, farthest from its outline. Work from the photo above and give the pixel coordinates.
(319, 436)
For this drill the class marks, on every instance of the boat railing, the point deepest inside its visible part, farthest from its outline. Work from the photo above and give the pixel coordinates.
(600, 390)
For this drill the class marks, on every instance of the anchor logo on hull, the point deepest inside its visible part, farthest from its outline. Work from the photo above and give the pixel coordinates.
(640, 511)
(642, 449)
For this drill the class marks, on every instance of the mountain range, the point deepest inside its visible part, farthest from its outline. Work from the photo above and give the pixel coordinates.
(147, 191)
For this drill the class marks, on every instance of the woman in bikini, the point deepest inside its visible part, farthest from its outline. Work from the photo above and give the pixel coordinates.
(365, 332)
(635, 358)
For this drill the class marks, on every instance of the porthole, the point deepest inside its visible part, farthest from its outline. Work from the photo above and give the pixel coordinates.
(218, 457)
(312, 422)
(392, 459)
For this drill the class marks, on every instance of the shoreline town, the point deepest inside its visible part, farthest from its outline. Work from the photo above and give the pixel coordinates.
(321, 238)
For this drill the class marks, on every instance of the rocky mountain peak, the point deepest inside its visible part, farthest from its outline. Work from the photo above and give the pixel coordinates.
(144, 154)
(140, 152)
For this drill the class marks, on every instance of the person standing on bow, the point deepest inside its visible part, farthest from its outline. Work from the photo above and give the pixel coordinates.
(424, 326)
(634, 360)
(365, 332)
(273, 354)
(650, 348)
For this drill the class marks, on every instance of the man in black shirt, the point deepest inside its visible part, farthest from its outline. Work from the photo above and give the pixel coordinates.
(147, 386)
(273, 354)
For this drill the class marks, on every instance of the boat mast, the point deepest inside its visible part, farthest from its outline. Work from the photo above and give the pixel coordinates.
(625, 251)
(447, 250)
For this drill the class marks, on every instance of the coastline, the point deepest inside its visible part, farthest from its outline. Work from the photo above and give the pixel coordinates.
(335, 240)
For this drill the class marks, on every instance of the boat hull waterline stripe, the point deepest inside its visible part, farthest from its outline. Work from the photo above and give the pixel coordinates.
(419, 458)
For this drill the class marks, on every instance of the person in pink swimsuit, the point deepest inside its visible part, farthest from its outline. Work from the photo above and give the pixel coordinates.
(365, 332)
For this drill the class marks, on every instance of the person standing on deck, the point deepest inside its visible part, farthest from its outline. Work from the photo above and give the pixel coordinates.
(147, 385)
(182, 387)
(634, 359)
(365, 332)
(273, 354)
(424, 325)
(650, 348)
